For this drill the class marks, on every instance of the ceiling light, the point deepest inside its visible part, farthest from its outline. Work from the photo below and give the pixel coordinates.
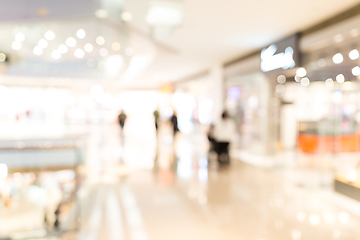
(116, 46)
(81, 33)
(101, 13)
(38, 50)
(19, 37)
(126, 16)
(55, 54)
(340, 78)
(43, 43)
(71, 42)
(129, 51)
(2, 57)
(301, 72)
(49, 35)
(354, 54)
(305, 82)
(297, 78)
(356, 71)
(338, 58)
(281, 79)
(113, 65)
(100, 40)
(88, 47)
(165, 13)
(79, 53)
(329, 82)
(103, 52)
(3, 171)
(338, 38)
(322, 62)
(63, 49)
(16, 45)
(354, 32)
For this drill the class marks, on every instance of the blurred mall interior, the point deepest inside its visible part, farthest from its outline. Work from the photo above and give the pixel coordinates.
(111, 121)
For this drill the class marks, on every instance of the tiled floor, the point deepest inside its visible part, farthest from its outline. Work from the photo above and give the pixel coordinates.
(184, 197)
(148, 189)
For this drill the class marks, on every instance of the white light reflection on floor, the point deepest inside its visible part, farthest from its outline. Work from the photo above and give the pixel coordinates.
(132, 215)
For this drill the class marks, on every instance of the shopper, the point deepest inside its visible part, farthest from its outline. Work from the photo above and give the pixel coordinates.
(156, 118)
(122, 119)
(223, 133)
(174, 122)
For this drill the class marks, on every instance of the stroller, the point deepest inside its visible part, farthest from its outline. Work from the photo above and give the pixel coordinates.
(218, 150)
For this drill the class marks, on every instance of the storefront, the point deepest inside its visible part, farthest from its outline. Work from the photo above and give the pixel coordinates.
(254, 88)
(328, 102)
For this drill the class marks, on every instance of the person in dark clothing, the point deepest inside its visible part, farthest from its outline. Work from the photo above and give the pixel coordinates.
(122, 119)
(223, 132)
(57, 214)
(156, 118)
(174, 122)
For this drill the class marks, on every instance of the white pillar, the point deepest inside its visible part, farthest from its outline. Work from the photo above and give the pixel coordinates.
(218, 91)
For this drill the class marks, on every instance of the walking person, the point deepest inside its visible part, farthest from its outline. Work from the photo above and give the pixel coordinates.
(174, 122)
(122, 119)
(223, 132)
(156, 118)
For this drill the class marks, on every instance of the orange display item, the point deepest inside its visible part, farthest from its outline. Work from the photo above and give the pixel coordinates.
(311, 143)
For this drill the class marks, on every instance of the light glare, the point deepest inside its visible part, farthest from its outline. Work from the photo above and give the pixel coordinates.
(329, 82)
(301, 72)
(101, 13)
(71, 42)
(19, 37)
(3, 171)
(338, 58)
(16, 45)
(354, 54)
(49, 35)
(63, 49)
(81, 33)
(43, 43)
(305, 82)
(340, 78)
(116, 46)
(38, 50)
(88, 47)
(126, 16)
(100, 40)
(2, 57)
(55, 54)
(103, 52)
(356, 71)
(79, 53)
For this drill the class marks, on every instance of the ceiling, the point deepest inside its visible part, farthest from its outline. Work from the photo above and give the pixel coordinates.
(212, 32)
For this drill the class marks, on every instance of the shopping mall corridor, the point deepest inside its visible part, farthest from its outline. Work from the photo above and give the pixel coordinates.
(185, 197)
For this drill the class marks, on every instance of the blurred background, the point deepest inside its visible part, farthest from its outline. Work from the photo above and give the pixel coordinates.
(112, 124)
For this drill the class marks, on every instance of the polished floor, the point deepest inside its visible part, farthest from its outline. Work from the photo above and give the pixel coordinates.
(152, 187)
(184, 197)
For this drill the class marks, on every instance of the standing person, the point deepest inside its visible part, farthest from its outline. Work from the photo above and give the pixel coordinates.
(174, 122)
(156, 118)
(122, 119)
(223, 133)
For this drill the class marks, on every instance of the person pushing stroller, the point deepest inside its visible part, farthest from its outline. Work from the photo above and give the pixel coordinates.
(220, 136)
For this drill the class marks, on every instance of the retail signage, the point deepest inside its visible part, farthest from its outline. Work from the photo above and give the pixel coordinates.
(280, 55)
(271, 61)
